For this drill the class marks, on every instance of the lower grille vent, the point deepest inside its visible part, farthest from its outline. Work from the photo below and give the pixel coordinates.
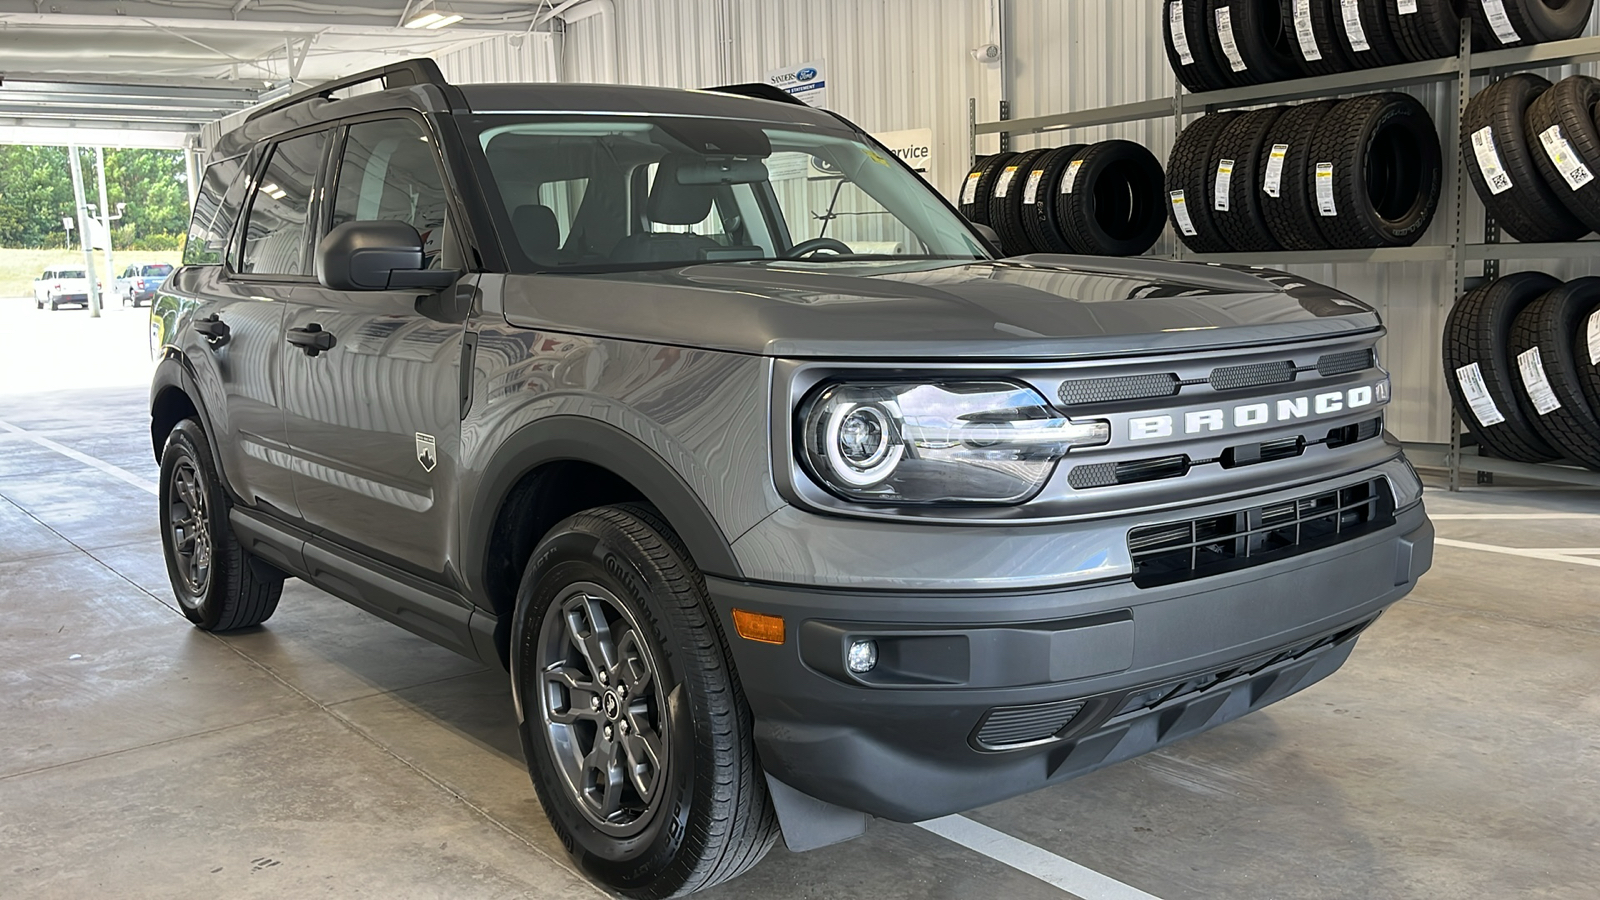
(1129, 472)
(1014, 726)
(1180, 551)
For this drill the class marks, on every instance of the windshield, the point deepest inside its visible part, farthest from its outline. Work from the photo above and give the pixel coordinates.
(612, 193)
(162, 269)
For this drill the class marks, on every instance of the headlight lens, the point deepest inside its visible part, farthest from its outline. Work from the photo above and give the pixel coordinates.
(937, 442)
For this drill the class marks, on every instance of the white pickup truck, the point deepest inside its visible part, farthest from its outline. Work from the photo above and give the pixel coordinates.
(61, 285)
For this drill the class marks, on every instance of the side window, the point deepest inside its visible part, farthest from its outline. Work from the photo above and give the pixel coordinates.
(389, 174)
(275, 232)
(215, 209)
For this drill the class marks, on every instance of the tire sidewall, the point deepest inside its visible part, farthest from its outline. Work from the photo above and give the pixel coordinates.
(188, 441)
(578, 551)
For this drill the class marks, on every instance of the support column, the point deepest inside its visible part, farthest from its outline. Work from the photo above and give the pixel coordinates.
(83, 231)
(105, 210)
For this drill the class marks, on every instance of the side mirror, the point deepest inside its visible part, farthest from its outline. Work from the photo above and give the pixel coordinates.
(377, 256)
(990, 235)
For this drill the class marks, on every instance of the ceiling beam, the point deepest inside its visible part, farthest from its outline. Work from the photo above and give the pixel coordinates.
(135, 85)
(351, 16)
(177, 98)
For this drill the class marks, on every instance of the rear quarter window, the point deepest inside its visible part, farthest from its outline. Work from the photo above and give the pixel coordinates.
(215, 209)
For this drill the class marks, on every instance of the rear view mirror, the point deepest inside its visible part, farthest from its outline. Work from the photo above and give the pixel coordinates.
(377, 256)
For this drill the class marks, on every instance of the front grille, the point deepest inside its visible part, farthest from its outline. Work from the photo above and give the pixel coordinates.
(1355, 434)
(1332, 364)
(1180, 551)
(1129, 472)
(1233, 378)
(1013, 726)
(1116, 390)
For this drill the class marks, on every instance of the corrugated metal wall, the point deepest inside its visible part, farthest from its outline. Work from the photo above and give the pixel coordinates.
(902, 64)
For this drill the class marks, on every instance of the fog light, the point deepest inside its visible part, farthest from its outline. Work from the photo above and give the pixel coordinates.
(863, 656)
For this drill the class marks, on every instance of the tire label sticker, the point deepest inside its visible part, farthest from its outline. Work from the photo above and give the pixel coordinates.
(969, 191)
(1500, 23)
(1230, 46)
(1004, 184)
(1030, 194)
(1538, 385)
(1407, 7)
(1071, 181)
(1219, 194)
(1352, 26)
(1272, 184)
(1470, 378)
(1305, 32)
(1180, 211)
(1180, 40)
(1494, 174)
(1565, 159)
(1594, 339)
(1325, 204)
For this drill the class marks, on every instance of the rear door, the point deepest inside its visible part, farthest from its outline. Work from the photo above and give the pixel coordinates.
(375, 422)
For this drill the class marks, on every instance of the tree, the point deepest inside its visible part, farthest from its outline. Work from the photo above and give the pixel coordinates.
(36, 193)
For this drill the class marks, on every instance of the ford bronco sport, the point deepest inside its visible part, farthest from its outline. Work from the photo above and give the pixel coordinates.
(784, 502)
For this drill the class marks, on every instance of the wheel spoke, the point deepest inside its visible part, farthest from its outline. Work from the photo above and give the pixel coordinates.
(607, 792)
(631, 666)
(581, 696)
(644, 761)
(590, 633)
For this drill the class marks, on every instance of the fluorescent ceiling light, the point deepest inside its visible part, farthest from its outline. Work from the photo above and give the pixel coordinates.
(426, 20)
(443, 21)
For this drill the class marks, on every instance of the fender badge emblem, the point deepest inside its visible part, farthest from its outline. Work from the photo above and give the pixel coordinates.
(426, 452)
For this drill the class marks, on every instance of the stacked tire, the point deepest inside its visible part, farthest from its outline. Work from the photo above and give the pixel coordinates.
(1522, 362)
(1532, 151)
(1102, 199)
(1359, 173)
(1215, 44)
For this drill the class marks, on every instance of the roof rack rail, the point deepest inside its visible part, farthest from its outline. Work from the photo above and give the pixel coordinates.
(759, 91)
(401, 74)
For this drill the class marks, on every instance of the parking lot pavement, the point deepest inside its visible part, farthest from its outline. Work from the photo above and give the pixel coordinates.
(328, 753)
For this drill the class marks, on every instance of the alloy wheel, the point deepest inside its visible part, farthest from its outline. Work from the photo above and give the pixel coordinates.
(189, 526)
(602, 709)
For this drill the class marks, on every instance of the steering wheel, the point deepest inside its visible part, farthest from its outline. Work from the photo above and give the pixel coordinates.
(806, 248)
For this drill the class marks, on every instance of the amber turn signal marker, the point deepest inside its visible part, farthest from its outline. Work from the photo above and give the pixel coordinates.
(758, 626)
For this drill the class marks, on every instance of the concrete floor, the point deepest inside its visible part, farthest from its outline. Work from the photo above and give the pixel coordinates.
(331, 754)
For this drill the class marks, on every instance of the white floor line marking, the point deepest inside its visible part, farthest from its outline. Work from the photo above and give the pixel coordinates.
(1038, 862)
(84, 458)
(1517, 517)
(1551, 554)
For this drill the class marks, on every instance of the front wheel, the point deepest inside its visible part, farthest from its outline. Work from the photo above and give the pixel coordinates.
(633, 723)
(219, 586)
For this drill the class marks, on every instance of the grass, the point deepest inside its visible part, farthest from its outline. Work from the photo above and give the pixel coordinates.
(18, 268)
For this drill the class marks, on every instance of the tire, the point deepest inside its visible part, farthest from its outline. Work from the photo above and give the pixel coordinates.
(1320, 33)
(1526, 205)
(1291, 216)
(1039, 218)
(1115, 206)
(219, 586)
(1531, 21)
(1191, 170)
(1587, 353)
(1243, 224)
(1204, 71)
(1386, 171)
(1373, 44)
(1570, 106)
(1263, 39)
(708, 817)
(1477, 332)
(1547, 326)
(1431, 31)
(1005, 203)
(979, 186)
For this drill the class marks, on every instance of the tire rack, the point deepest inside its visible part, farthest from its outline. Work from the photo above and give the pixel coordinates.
(1460, 69)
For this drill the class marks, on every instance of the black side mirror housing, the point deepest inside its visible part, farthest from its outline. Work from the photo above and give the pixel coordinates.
(377, 256)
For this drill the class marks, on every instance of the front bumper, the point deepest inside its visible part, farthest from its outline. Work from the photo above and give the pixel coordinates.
(1124, 669)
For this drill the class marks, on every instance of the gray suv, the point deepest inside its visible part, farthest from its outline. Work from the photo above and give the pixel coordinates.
(784, 502)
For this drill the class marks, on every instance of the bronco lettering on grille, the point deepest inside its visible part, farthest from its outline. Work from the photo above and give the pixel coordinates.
(1250, 415)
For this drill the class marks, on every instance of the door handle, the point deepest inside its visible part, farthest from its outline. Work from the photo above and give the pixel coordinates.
(312, 339)
(216, 331)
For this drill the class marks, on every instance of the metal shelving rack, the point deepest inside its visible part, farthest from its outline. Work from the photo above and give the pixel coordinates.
(1460, 69)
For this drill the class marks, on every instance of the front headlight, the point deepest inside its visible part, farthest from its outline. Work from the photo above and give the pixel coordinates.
(936, 442)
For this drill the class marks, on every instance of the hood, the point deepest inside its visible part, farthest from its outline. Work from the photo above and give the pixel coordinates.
(1031, 307)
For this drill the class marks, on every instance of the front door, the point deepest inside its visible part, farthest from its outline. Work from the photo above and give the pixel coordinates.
(374, 422)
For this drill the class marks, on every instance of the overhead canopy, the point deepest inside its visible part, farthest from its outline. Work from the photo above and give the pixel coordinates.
(149, 72)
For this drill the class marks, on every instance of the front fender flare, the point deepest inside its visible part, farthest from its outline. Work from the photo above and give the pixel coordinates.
(567, 437)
